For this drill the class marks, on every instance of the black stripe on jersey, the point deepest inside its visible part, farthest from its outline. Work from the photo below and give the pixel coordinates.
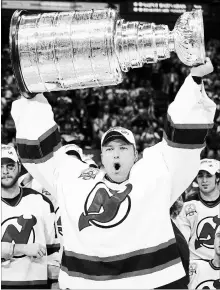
(13, 201)
(36, 284)
(27, 191)
(53, 249)
(213, 266)
(209, 203)
(190, 136)
(136, 263)
(57, 210)
(50, 282)
(41, 150)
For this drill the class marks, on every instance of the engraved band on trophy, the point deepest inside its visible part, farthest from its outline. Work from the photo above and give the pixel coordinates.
(80, 49)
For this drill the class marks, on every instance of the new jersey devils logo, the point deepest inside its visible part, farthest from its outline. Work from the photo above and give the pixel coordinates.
(105, 208)
(19, 229)
(205, 232)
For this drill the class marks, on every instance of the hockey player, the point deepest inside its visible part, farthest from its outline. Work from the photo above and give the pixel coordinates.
(29, 240)
(206, 274)
(200, 217)
(117, 231)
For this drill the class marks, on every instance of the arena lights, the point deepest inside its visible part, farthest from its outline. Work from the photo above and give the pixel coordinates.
(152, 7)
(54, 5)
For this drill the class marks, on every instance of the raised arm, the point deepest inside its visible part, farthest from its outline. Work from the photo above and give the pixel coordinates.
(188, 119)
(39, 142)
(184, 225)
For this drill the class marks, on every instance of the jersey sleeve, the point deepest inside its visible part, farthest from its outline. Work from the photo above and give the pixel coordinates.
(183, 224)
(51, 233)
(189, 118)
(38, 141)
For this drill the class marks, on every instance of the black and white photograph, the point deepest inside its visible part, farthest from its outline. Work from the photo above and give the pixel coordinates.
(110, 144)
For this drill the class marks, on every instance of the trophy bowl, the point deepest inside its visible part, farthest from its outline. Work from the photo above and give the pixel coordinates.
(188, 35)
(81, 49)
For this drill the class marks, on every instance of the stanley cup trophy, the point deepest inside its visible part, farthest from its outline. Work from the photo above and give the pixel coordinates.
(82, 49)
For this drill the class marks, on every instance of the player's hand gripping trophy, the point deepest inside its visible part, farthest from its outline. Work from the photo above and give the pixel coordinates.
(81, 49)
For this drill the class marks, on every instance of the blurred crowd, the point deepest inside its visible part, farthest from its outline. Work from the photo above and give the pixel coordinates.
(139, 103)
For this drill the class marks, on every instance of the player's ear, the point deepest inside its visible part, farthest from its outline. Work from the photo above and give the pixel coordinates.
(135, 155)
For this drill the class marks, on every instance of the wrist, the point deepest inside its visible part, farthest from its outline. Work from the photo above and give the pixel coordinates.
(202, 69)
(28, 95)
(18, 249)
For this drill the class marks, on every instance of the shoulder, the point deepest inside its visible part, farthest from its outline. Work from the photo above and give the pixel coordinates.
(154, 158)
(153, 151)
(151, 162)
(71, 167)
(90, 173)
(196, 265)
(38, 197)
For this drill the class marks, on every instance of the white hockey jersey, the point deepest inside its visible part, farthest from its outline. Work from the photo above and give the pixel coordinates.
(27, 181)
(204, 275)
(30, 220)
(198, 223)
(117, 235)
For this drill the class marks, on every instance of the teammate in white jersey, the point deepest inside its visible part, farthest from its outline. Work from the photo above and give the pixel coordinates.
(117, 231)
(29, 241)
(200, 217)
(206, 274)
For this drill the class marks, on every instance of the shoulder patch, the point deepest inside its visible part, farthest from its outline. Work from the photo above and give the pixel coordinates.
(28, 191)
(89, 173)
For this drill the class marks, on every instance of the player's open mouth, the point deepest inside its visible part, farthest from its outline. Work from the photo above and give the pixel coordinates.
(117, 166)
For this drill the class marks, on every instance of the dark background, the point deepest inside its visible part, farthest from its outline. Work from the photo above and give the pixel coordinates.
(211, 14)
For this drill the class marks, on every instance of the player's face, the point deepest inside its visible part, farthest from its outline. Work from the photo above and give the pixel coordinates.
(217, 243)
(9, 173)
(118, 157)
(206, 182)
